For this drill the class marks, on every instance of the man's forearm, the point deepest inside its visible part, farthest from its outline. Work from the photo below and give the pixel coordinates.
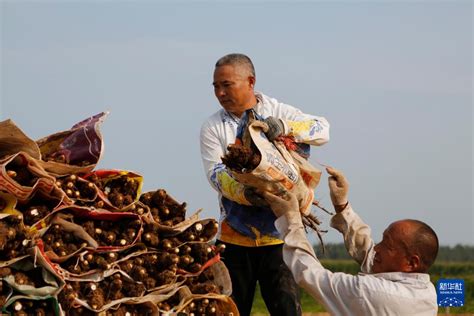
(216, 172)
(330, 289)
(311, 131)
(292, 231)
(226, 185)
(357, 236)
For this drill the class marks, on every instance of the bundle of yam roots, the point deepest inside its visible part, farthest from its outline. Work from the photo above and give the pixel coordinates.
(91, 243)
(243, 157)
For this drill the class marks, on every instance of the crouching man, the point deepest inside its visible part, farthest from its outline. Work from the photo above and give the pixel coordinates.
(393, 278)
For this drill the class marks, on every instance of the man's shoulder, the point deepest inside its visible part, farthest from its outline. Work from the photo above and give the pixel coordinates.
(396, 279)
(214, 118)
(265, 99)
(271, 106)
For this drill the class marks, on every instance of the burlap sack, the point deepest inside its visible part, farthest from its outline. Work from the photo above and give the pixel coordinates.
(222, 280)
(140, 306)
(15, 239)
(52, 281)
(280, 170)
(153, 297)
(37, 179)
(65, 217)
(208, 232)
(36, 211)
(214, 264)
(13, 140)
(79, 148)
(164, 288)
(102, 179)
(93, 275)
(82, 301)
(225, 304)
(8, 205)
(178, 228)
(52, 308)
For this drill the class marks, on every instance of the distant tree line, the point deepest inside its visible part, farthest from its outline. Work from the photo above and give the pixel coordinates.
(458, 253)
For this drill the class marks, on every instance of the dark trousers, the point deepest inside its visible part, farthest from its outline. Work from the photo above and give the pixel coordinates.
(247, 265)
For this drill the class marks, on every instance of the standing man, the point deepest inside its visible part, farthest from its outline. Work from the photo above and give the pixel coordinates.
(253, 248)
(393, 278)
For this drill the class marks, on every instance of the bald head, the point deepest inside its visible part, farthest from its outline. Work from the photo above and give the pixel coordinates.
(407, 246)
(421, 240)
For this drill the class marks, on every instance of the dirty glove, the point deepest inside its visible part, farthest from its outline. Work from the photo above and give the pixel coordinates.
(254, 198)
(275, 128)
(285, 204)
(338, 188)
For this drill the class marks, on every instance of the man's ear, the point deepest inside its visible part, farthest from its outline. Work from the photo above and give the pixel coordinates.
(251, 81)
(414, 263)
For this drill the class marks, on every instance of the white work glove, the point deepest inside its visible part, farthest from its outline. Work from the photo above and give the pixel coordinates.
(275, 128)
(339, 189)
(286, 204)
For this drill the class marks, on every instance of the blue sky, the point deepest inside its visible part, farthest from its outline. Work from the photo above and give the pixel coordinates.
(393, 78)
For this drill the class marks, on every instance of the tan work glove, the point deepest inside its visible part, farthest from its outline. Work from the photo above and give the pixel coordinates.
(339, 188)
(286, 204)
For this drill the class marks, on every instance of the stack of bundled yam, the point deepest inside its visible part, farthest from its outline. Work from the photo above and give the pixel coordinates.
(79, 241)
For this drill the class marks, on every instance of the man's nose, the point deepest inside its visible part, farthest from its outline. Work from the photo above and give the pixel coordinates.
(219, 92)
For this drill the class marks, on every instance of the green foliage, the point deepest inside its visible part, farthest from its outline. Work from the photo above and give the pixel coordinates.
(445, 269)
(458, 253)
(308, 303)
(332, 251)
(461, 253)
(346, 266)
(258, 303)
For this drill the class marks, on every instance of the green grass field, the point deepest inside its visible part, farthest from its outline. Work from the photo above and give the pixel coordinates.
(457, 270)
